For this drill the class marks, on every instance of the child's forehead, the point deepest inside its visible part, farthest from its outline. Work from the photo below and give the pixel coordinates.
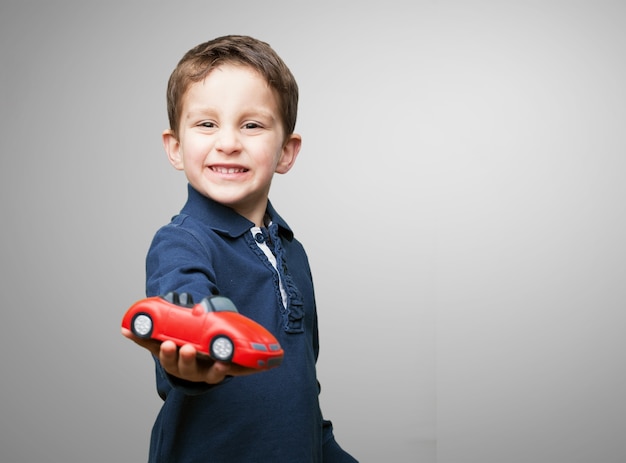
(229, 68)
(230, 80)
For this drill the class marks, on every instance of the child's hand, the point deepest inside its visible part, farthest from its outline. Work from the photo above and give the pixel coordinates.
(184, 362)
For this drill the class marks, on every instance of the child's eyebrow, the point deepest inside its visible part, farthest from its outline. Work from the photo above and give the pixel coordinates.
(193, 113)
(259, 112)
(251, 112)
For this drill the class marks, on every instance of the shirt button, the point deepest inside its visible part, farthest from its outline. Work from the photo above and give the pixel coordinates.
(259, 238)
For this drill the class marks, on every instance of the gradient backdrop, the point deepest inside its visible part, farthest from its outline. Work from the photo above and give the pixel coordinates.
(460, 193)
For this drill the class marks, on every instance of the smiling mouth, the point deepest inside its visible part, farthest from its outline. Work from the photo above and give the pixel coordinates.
(229, 170)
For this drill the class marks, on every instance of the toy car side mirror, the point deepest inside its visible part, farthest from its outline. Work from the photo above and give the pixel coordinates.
(198, 310)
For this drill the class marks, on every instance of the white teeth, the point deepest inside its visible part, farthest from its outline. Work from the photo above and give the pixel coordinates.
(228, 170)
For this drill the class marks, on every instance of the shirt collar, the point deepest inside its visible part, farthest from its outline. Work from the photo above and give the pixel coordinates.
(225, 220)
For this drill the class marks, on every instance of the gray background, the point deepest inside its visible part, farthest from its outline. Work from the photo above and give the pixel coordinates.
(460, 193)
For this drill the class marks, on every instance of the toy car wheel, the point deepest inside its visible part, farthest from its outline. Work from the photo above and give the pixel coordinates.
(141, 325)
(222, 348)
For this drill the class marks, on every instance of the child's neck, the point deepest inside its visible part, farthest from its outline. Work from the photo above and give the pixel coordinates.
(258, 216)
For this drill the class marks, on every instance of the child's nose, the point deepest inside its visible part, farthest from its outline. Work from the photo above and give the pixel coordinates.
(228, 140)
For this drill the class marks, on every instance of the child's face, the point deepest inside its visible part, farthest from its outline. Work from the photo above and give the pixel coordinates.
(231, 139)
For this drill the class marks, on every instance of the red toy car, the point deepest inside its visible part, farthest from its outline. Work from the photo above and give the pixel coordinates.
(213, 326)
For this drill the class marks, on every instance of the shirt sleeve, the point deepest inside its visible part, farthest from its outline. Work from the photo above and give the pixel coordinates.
(177, 261)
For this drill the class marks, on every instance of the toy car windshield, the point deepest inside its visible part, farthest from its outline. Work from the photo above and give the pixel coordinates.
(209, 303)
(218, 304)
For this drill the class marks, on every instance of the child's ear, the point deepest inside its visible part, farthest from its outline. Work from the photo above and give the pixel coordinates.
(172, 148)
(290, 151)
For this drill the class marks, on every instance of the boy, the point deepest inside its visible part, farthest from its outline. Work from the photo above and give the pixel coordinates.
(232, 106)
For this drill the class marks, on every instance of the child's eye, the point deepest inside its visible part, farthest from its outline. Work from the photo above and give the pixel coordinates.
(251, 125)
(207, 124)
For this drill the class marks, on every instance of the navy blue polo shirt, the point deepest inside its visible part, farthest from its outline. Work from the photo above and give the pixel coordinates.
(272, 416)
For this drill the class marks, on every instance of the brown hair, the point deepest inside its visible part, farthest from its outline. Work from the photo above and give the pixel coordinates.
(198, 62)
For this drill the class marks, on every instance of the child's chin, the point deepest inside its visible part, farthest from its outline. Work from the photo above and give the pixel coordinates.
(231, 200)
